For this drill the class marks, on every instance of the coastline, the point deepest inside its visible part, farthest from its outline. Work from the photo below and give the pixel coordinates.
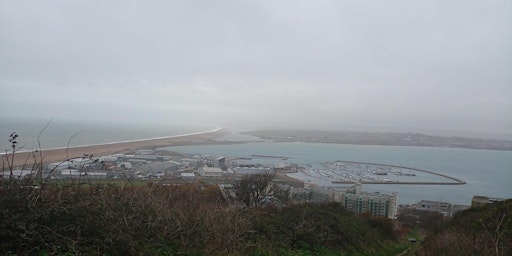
(61, 154)
(381, 139)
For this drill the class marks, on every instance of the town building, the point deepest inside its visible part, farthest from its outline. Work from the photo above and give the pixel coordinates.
(210, 172)
(444, 208)
(301, 195)
(378, 204)
(219, 162)
(187, 176)
(125, 165)
(435, 206)
(483, 200)
(75, 174)
(252, 170)
(190, 162)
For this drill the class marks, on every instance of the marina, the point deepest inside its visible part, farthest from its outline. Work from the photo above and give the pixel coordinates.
(486, 172)
(373, 173)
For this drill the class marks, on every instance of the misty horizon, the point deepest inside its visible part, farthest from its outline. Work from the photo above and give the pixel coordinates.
(438, 68)
(80, 133)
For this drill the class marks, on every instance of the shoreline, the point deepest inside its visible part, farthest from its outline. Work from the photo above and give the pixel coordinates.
(29, 158)
(381, 139)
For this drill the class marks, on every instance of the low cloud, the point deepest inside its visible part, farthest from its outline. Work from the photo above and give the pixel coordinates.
(398, 65)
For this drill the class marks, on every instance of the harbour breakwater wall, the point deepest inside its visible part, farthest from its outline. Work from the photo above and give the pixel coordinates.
(404, 182)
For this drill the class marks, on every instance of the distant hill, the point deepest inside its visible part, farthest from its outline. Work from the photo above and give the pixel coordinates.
(375, 138)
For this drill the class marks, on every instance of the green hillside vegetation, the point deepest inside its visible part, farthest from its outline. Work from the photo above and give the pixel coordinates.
(485, 230)
(192, 219)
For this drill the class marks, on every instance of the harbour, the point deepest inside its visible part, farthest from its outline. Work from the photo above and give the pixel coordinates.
(342, 172)
(485, 172)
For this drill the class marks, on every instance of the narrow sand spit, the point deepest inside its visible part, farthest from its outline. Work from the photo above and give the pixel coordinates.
(62, 154)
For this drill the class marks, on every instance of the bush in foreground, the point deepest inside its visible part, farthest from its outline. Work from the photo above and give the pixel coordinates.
(485, 230)
(99, 219)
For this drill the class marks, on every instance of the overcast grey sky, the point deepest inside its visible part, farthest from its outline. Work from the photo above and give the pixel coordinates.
(392, 65)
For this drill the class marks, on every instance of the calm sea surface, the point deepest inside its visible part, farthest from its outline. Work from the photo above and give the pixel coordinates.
(59, 133)
(486, 172)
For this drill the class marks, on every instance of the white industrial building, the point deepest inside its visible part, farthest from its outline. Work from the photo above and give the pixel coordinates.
(210, 172)
(75, 174)
(187, 175)
(252, 170)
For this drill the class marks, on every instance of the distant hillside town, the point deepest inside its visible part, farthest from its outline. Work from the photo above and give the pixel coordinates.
(375, 138)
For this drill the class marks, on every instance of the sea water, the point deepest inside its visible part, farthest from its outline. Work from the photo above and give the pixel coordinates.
(487, 172)
(61, 134)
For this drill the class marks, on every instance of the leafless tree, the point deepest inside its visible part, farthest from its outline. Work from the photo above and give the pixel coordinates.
(252, 189)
